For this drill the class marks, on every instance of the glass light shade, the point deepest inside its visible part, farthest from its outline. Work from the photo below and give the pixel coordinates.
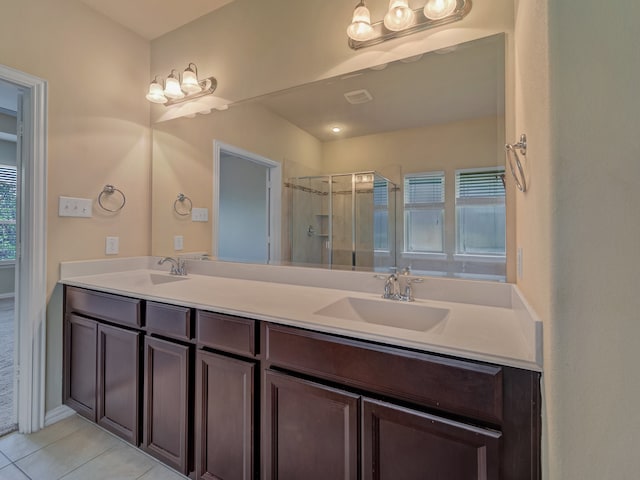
(172, 87)
(360, 28)
(156, 94)
(190, 82)
(399, 16)
(437, 9)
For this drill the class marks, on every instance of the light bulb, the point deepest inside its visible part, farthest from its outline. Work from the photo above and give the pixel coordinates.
(360, 28)
(172, 87)
(399, 16)
(190, 82)
(156, 94)
(437, 9)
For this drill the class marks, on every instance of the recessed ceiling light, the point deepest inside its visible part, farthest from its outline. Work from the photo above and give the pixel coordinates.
(336, 129)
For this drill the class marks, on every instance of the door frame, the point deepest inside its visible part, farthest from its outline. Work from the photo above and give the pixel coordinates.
(274, 196)
(31, 251)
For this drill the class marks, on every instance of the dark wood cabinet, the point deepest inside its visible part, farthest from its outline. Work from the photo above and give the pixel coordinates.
(118, 401)
(423, 415)
(80, 357)
(403, 444)
(310, 430)
(284, 403)
(225, 435)
(166, 412)
(102, 361)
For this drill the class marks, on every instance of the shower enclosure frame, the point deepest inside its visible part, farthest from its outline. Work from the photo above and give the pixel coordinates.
(330, 211)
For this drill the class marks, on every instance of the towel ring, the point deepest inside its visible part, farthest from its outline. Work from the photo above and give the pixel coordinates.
(182, 198)
(110, 190)
(513, 158)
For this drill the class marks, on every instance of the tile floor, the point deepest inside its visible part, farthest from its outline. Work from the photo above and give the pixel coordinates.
(76, 449)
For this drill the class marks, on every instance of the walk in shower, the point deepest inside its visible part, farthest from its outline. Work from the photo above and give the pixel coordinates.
(344, 221)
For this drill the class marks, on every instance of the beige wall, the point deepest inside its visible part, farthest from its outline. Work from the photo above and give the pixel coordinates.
(578, 68)
(594, 383)
(533, 208)
(183, 162)
(98, 122)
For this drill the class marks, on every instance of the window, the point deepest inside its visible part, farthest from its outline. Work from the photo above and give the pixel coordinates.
(480, 212)
(8, 175)
(381, 215)
(424, 212)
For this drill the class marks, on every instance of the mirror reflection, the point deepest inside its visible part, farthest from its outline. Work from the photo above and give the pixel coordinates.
(398, 165)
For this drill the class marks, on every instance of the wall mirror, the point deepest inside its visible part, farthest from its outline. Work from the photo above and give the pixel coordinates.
(398, 165)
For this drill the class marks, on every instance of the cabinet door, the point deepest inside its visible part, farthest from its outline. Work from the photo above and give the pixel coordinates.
(166, 402)
(224, 417)
(118, 381)
(80, 365)
(310, 430)
(403, 444)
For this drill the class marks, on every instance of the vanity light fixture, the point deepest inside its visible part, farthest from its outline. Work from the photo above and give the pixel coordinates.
(399, 16)
(360, 27)
(401, 19)
(180, 89)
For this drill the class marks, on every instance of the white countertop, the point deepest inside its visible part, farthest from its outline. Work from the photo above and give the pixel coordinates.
(501, 330)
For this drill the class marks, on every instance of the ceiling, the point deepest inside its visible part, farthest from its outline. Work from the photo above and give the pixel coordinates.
(460, 83)
(153, 18)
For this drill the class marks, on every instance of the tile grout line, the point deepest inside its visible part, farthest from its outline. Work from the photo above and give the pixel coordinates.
(89, 460)
(43, 446)
(21, 471)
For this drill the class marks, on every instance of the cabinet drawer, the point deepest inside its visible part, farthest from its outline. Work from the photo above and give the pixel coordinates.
(104, 306)
(226, 332)
(169, 320)
(456, 386)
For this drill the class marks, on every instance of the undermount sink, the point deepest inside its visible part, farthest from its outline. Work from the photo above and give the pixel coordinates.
(148, 279)
(157, 278)
(410, 316)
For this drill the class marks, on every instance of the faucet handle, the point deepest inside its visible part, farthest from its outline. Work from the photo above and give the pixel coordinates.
(408, 290)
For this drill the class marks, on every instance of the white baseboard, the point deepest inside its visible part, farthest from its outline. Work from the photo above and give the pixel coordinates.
(57, 414)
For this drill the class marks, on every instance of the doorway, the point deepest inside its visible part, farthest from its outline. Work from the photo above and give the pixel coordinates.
(30, 283)
(9, 95)
(246, 206)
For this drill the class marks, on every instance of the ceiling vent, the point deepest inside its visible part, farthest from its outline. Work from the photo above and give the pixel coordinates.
(358, 96)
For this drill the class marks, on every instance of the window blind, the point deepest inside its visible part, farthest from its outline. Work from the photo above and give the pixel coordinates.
(424, 189)
(475, 187)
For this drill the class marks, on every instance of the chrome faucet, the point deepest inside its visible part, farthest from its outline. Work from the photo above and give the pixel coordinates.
(178, 267)
(399, 287)
(406, 294)
(391, 286)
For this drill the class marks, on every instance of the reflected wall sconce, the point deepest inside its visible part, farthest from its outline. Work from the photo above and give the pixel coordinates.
(180, 88)
(402, 20)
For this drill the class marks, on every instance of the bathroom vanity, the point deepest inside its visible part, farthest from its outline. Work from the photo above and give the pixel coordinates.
(216, 394)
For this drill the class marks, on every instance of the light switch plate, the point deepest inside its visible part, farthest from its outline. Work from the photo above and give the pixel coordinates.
(75, 207)
(178, 242)
(112, 245)
(519, 262)
(199, 214)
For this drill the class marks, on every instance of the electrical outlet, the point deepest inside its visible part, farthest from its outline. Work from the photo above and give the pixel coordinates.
(75, 207)
(178, 242)
(199, 214)
(112, 245)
